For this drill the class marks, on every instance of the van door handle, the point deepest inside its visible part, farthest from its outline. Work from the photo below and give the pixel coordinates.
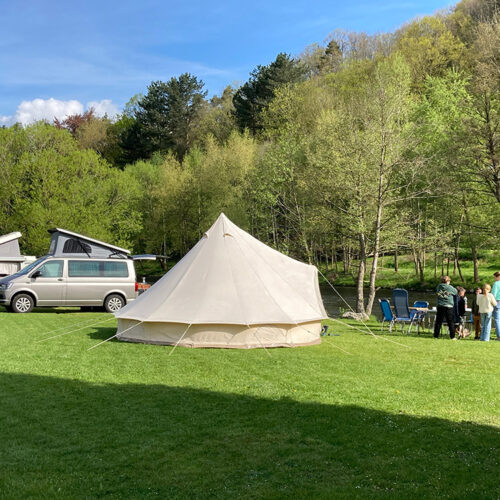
(60, 279)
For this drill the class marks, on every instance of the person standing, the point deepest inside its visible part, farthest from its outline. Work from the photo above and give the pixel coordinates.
(445, 293)
(495, 291)
(476, 317)
(486, 303)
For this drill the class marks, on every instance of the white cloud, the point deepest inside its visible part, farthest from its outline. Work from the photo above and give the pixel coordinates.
(49, 109)
(104, 107)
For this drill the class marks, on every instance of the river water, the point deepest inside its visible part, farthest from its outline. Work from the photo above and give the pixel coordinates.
(334, 305)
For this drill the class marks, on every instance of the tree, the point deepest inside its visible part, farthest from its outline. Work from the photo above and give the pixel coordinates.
(362, 157)
(216, 119)
(430, 48)
(165, 114)
(256, 94)
(54, 183)
(74, 122)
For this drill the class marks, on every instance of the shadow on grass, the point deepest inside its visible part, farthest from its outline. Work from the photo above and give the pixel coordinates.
(66, 438)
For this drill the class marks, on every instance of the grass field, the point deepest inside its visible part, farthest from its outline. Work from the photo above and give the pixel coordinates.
(354, 417)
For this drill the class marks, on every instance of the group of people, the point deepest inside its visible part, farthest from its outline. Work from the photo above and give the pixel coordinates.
(485, 307)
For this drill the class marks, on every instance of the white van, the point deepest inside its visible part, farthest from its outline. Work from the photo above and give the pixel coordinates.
(65, 281)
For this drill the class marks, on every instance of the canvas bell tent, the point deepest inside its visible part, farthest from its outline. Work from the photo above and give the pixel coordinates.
(10, 256)
(229, 291)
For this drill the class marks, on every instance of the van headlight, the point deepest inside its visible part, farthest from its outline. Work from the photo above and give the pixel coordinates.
(5, 286)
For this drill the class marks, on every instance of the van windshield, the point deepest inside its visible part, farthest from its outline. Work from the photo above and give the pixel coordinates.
(29, 268)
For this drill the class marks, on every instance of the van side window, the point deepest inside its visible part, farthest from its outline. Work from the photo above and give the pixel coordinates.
(52, 269)
(115, 270)
(75, 246)
(97, 269)
(84, 269)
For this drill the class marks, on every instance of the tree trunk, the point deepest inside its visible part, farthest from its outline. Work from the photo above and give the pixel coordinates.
(475, 263)
(376, 250)
(344, 260)
(415, 260)
(420, 269)
(360, 299)
(396, 265)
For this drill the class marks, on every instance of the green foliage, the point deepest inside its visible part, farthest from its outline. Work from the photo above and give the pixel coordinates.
(165, 113)
(216, 119)
(362, 146)
(430, 48)
(52, 183)
(256, 94)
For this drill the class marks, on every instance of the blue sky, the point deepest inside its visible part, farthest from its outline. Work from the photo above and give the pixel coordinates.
(56, 52)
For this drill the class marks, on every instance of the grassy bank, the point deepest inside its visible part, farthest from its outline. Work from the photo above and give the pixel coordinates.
(352, 417)
(489, 262)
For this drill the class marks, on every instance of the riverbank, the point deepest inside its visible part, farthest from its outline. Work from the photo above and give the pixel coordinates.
(387, 277)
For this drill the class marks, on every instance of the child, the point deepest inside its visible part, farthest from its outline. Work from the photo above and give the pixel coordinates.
(460, 313)
(486, 303)
(476, 317)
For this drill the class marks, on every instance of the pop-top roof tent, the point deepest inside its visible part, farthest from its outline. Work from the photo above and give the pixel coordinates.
(65, 243)
(229, 291)
(10, 255)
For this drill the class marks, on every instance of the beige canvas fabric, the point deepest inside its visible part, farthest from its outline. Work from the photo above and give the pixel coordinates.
(222, 336)
(228, 278)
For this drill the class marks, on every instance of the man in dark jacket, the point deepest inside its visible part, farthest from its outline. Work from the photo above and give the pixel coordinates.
(445, 293)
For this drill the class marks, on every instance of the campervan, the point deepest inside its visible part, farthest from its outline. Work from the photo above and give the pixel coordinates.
(11, 260)
(78, 271)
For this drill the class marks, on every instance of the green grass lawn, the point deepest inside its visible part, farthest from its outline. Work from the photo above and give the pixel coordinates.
(353, 417)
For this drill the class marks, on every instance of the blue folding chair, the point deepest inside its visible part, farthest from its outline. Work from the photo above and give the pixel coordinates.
(386, 313)
(402, 309)
(419, 315)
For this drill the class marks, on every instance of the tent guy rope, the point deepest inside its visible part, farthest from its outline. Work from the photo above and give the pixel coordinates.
(364, 324)
(76, 330)
(115, 335)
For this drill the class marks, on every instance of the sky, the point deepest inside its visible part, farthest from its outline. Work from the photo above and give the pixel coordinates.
(61, 57)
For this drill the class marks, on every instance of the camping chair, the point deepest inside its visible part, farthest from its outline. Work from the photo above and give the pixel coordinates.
(419, 315)
(402, 309)
(386, 313)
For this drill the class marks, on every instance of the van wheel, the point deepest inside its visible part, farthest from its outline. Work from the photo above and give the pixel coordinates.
(114, 303)
(23, 303)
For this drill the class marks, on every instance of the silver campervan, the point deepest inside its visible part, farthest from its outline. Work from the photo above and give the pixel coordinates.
(79, 271)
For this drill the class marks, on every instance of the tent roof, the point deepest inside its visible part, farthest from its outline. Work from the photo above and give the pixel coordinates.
(230, 277)
(9, 237)
(86, 238)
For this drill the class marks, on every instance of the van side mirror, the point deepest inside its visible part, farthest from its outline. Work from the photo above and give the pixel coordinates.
(36, 274)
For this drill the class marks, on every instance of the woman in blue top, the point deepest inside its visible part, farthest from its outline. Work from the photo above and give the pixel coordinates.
(496, 312)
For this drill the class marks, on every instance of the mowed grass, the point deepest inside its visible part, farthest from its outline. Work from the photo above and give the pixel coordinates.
(354, 417)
